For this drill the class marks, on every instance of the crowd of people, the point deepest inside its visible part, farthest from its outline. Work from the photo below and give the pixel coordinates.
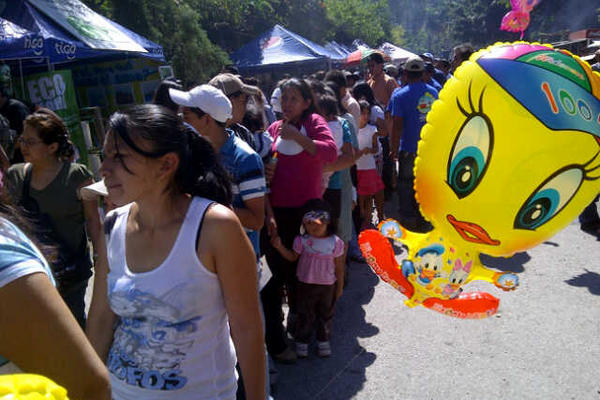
(199, 188)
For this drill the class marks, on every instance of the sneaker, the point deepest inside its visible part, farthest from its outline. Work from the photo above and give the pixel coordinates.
(285, 357)
(302, 350)
(323, 349)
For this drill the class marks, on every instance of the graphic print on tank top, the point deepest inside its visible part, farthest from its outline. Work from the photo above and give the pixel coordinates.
(150, 346)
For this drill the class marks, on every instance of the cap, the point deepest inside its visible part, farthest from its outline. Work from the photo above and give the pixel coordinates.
(414, 64)
(427, 55)
(205, 97)
(231, 84)
(390, 69)
(521, 69)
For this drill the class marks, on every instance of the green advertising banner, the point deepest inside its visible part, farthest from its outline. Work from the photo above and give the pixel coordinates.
(55, 90)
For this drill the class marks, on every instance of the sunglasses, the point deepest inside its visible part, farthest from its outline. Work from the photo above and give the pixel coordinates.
(322, 216)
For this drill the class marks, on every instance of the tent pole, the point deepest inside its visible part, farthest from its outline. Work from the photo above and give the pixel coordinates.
(22, 80)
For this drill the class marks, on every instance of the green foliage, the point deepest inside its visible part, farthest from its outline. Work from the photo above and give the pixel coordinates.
(362, 19)
(439, 25)
(398, 35)
(196, 34)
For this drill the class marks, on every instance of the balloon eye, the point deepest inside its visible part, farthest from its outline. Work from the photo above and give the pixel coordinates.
(470, 155)
(549, 198)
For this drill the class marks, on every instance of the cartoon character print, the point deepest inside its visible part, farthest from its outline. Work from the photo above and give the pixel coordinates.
(150, 342)
(428, 265)
(457, 277)
(424, 105)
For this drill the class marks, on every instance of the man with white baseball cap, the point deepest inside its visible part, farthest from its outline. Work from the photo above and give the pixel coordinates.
(202, 100)
(207, 109)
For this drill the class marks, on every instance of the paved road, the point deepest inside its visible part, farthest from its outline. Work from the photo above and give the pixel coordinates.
(543, 344)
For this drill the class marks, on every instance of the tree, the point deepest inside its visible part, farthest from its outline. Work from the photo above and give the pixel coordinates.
(352, 19)
(176, 27)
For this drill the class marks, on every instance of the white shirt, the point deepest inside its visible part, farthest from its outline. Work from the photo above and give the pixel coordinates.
(365, 140)
(172, 340)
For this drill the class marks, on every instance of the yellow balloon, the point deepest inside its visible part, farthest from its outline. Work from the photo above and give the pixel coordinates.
(510, 154)
(30, 387)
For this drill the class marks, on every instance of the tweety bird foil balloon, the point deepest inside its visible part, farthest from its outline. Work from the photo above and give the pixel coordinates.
(508, 157)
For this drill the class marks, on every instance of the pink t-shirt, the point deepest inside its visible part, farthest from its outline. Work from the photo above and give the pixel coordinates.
(297, 177)
(316, 264)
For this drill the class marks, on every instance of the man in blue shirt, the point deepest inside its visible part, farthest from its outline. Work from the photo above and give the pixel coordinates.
(409, 106)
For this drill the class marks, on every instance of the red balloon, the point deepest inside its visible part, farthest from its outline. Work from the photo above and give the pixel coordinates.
(471, 305)
(379, 254)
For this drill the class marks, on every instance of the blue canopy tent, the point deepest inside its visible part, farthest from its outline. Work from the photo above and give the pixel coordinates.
(37, 41)
(41, 36)
(279, 49)
(339, 49)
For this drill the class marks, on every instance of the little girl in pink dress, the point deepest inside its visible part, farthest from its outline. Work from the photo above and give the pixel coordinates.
(320, 276)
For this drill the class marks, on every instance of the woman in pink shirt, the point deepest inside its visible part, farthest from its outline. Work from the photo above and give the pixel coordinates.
(303, 144)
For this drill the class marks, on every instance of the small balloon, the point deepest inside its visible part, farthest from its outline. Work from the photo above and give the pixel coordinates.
(517, 20)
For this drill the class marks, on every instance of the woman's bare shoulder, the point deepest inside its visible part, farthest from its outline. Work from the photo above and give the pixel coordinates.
(220, 219)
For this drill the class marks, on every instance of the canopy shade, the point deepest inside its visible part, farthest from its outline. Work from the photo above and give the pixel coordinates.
(279, 46)
(26, 33)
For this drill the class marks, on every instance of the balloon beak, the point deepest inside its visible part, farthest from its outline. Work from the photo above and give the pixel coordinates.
(471, 232)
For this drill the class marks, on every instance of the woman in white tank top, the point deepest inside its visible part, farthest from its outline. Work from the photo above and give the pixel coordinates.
(181, 281)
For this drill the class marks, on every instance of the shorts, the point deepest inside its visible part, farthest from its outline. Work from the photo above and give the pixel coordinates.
(369, 182)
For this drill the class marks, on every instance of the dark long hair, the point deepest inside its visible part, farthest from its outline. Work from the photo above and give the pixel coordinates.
(303, 87)
(199, 172)
(162, 97)
(337, 92)
(51, 129)
(363, 90)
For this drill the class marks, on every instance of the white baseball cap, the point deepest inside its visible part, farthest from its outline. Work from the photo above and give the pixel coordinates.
(205, 97)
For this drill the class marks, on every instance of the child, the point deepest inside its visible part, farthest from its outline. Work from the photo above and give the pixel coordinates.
(320, 275)
(370, 184)
(253, 120)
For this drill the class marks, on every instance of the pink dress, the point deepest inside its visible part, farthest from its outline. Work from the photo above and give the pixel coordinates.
(316, 264)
